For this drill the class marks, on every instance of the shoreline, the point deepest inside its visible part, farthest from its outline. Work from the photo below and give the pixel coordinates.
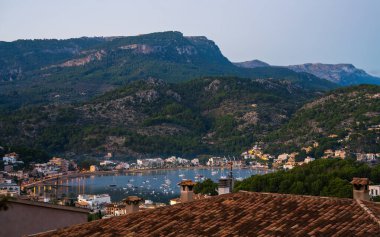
(122, 172)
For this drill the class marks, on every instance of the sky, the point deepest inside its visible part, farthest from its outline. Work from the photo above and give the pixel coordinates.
(279, 32)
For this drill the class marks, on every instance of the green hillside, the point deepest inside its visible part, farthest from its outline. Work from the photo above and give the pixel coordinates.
(64, 71)
(210, 115)
(346, 118)
(324, 177)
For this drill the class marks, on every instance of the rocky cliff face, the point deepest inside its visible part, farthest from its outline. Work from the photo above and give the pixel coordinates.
(205, 115)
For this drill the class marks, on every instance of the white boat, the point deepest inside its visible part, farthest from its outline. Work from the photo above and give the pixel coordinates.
(168, 182)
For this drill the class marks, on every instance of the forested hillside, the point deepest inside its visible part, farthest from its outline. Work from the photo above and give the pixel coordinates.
(219, 115)
(65, 71)
(324, 177)
(346, 118)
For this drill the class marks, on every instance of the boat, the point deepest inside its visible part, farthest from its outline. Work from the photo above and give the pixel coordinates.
(112, 185)
(168, 182)
(181, 175)
(214, 173)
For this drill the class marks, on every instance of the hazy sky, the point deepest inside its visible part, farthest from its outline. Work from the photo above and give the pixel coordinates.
(280, 32)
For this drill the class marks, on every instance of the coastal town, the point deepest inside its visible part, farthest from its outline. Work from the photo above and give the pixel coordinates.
(40, 182)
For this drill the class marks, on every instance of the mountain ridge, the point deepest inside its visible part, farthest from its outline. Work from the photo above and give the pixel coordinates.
(75, 70)
(344, 74)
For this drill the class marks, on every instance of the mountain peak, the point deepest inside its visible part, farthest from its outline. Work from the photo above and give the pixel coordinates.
(343, 73)
(252, 64)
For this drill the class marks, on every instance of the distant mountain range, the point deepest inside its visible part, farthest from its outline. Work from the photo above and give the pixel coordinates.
(74, 70)
(342, 74)
(162, 93)
(252, 64)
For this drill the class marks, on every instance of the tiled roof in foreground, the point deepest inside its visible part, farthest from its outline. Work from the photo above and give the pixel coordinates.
(243, 214)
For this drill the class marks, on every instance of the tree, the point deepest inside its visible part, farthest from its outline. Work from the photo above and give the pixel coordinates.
(207, 187)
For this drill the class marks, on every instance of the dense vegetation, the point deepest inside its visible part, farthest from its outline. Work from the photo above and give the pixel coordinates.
(220, 115)
(343, 118)
(207, 187)
(60, 71)
(324, 177)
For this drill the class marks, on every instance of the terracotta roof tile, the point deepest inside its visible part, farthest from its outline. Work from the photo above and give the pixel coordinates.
(361, 181)
(187, 182)
(243, 214)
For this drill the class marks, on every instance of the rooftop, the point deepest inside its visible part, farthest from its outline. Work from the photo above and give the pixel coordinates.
(361, 181)
(46, 205)
(243, 213)
(186, 183)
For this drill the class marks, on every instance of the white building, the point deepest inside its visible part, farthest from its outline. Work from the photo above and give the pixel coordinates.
(365, 156)
(106, 162)
(19, 174)
(171, 159)
(155, 162)
(374, 190)
(216, 161)
(283, 157)
(122, 165)
(182, 161)
(10, 158)
(308, 160)
(195, 162)
(93, 201)
(288, 166)
(10, 189)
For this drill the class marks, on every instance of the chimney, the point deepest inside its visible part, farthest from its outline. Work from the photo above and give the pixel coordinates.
(360, 188)
(223, 186)
(132, 204)
(186, 190)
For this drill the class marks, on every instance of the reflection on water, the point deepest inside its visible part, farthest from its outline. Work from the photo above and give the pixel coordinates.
(156, 185)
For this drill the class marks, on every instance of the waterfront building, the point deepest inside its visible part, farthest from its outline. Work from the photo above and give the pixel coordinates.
(9, 189)
(106, 162)
(93, 201)
(195, 162)
(61, 163)
(148, 204)
(216, 161)
(122, 166)
(93, 168)
(10, 158)
(18, 174)
(115, 209)
(171, 159)
(150, 163)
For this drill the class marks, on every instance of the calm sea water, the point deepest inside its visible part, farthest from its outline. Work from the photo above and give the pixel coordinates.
(156, 185)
